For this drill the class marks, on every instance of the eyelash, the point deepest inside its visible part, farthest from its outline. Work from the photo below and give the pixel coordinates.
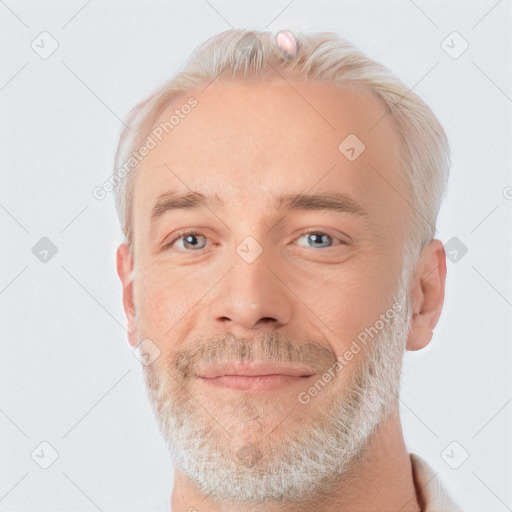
(311, 232)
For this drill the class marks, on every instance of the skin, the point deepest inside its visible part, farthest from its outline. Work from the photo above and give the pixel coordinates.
(249, 142)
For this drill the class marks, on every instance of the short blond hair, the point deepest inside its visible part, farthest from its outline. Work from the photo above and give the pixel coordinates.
(240, 54)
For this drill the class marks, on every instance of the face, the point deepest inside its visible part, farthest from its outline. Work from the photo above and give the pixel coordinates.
(256, 271)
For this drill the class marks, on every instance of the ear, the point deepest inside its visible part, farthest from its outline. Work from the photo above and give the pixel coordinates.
(124, 264)
(427, 294)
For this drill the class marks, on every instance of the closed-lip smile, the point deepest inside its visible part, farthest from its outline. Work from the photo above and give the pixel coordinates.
(254, 376)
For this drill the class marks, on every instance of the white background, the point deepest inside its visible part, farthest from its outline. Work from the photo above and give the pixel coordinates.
(67, 373)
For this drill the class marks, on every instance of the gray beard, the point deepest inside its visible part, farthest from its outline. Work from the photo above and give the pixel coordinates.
(299, 466)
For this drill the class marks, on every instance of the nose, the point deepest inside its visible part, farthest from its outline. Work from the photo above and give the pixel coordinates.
(251, 296)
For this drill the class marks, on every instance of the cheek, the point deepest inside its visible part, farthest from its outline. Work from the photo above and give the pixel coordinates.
(161, 302)
(350, 299)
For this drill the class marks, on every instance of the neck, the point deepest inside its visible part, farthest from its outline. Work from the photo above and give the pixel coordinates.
(381, 481)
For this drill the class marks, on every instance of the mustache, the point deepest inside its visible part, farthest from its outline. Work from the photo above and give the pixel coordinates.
(275, 347)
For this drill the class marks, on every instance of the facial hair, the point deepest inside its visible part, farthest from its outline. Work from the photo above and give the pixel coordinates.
(296, 465)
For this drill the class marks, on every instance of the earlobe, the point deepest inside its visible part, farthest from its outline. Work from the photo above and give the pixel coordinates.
(427, 295)
(125, 264)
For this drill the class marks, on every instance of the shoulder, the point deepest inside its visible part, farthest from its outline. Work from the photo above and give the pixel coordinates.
(430, 489)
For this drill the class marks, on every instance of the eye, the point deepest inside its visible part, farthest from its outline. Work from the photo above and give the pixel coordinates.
(190, 241)
(318, 239)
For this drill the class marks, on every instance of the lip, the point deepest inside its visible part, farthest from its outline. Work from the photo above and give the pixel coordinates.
(254, 376)
(255, 369)
(255, 383)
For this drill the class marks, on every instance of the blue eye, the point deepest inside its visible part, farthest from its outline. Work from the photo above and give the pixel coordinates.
(316, 238)
(189, 241)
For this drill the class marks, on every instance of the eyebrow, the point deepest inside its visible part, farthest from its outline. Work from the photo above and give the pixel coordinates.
(334, 202)
(175, 201)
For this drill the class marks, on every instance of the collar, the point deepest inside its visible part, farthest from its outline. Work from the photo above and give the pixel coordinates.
(430, 489)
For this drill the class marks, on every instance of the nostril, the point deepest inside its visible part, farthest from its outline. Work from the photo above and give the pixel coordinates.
(266, 320)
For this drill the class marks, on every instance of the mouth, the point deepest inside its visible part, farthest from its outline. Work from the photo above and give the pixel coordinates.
(254, 376)
(254, 382)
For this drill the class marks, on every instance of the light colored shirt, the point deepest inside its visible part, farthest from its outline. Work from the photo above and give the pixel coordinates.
(431, 492)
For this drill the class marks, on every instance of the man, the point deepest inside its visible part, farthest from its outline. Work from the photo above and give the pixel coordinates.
(278, 199)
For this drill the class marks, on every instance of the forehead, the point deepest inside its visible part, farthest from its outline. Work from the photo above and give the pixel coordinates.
(249, 142)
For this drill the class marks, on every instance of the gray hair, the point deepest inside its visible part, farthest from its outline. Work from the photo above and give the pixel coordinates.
(240, 54)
